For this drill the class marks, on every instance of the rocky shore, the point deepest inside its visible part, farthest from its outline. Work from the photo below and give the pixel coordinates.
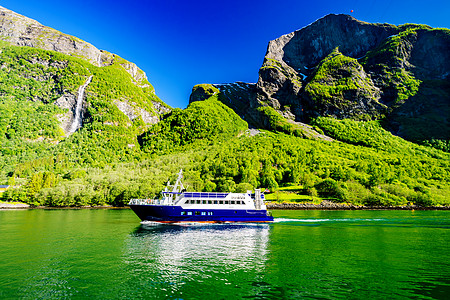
(324, 205)
(8, 205)
(16, 205)
(328, 205)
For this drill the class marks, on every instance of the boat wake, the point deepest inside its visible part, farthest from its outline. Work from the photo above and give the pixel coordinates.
(282, 220)
(276, 220)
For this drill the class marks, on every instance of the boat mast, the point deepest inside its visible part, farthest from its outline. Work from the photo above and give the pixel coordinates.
(178, 186)
(171, 191)
(258, 200)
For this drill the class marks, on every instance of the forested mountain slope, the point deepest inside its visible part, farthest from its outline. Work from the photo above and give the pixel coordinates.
(128, 143)
(40, 89)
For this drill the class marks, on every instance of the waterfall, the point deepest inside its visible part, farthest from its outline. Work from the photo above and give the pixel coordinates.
(99, 59)
(76, 123)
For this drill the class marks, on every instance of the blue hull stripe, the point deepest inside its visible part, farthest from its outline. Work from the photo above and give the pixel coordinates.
(163, 213)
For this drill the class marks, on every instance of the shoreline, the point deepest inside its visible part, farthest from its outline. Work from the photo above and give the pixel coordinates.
(328, 205)
(325, 205)
(17, 206)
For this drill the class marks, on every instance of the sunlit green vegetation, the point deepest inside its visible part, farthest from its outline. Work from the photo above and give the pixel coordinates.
(364, 133)
(32, 79)
(331, 170)
(279, 124)
(112, 158)
(327, 84)
(390, 58)
(209, 119)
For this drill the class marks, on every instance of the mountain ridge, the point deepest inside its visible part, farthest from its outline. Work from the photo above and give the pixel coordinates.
(20, 30)
(341, 67)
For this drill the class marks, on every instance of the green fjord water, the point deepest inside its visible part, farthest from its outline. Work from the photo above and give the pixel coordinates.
(107, 254)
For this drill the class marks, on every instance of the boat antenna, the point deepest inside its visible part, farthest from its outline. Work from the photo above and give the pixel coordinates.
(178, 183)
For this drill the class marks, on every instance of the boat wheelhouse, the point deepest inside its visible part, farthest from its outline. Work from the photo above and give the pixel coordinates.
(178, 205)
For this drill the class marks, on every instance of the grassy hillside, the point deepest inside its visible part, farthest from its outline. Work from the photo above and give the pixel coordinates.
(114, 157)
(33, 79)
(201, 120)
(394, 172)
(333, 170)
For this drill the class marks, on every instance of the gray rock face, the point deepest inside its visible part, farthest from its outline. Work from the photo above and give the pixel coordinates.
(241, 97)
(279, 86)
(432, 47)
(305, 48)
(66, 101)
(160, 108)
(290, 60)
(22, 31)
(400, 73)
(340, 88)
(133, 112)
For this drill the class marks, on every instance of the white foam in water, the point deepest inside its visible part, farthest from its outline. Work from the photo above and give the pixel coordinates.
(276, 220)
(150, 223)
(279, 220)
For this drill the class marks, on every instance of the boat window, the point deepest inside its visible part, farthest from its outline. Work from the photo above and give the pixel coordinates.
(203, 213)
(210, 213)
(183, 213)
(209, 201)
(204, 201)
(199, 201)
(220, 201)
(232, 202)
(227, 202)
(215, 201)
(189, 213)
(197, 213)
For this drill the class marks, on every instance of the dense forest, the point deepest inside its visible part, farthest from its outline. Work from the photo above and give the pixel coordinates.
(363, 165)
(131, 143)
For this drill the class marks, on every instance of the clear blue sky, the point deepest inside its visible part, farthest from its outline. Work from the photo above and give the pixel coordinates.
(183, 43)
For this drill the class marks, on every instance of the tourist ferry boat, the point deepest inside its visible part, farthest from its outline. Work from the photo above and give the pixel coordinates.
(177, 205)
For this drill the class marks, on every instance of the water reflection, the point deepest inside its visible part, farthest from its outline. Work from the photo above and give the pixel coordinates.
(174, 259)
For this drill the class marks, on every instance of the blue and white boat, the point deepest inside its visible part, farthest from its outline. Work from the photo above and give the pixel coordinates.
(177, 206)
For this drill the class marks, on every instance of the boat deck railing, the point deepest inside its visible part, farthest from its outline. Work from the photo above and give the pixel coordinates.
(211, 195)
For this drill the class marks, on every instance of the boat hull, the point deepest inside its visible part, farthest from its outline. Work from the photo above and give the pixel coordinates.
(176, 214)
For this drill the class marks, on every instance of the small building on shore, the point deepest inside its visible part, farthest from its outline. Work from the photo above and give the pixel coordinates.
(3, 188)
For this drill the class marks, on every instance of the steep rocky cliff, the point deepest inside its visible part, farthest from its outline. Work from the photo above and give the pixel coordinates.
(344, 68)
(22, 31)
(59, 91)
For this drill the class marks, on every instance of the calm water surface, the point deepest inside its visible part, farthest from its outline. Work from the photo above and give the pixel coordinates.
(107, 254)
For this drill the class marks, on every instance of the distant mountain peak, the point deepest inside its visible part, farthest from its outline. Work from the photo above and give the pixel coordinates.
(342, 67)
(23, 31)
